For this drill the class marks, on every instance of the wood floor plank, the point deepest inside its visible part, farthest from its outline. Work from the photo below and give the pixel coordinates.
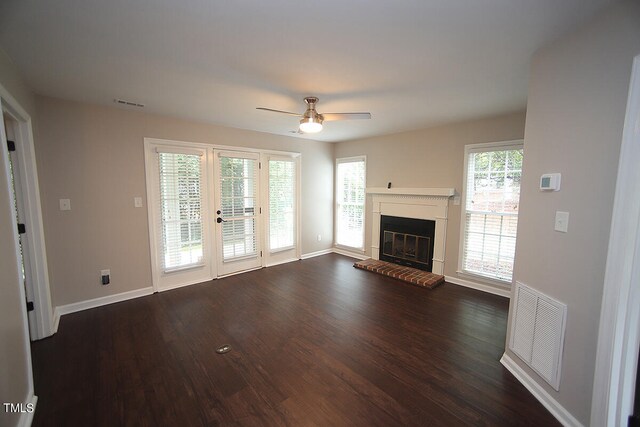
(314, 343)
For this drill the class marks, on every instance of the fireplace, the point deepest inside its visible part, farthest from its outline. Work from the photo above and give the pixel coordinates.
(430, 204)
(407, 241)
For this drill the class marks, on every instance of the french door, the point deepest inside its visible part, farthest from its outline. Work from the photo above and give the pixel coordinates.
(237, 211)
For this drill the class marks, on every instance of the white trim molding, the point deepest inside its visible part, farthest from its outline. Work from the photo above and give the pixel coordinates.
(619, 329)
(35, 243)
(26, 418)
(98, 302)
(317, 253)
(350, 254)
(479, 286)
(552, 405)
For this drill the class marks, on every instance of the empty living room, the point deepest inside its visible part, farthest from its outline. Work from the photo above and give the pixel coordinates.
(418, 213)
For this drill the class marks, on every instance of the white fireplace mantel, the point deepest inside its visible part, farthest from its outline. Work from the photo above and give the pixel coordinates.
(419, 203)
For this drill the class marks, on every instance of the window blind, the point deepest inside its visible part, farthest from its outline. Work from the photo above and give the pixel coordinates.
(282, 204)
(491, 210)
(238, 198)
(350, 197)
(180, 210)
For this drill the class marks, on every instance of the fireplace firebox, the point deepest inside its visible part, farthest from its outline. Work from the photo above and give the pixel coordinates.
(407, 241)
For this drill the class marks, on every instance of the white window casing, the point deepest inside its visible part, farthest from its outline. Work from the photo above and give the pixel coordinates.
(489, 217)
(350, 202)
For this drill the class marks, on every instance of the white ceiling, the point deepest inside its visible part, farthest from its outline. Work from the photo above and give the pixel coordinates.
(411, 63)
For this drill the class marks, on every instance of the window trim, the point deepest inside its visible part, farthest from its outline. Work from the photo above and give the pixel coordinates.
(296, 160)
(351, 159)
(516, 144)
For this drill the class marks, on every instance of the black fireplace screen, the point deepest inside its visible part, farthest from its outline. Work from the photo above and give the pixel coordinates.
(407, 241)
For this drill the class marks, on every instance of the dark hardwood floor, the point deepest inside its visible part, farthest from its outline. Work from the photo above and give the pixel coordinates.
(314, 342)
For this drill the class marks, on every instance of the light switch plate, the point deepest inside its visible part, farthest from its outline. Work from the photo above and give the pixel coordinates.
(137, 202)
(562, 221)
(65, 204)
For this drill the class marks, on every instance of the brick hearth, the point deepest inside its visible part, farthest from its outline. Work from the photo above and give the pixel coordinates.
(411, 275)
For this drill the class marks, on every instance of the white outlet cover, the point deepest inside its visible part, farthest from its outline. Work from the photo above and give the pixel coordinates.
(137, 202)
(65, 204)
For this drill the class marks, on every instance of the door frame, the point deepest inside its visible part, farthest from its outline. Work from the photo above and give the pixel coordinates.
(619, 329)
(44, 324)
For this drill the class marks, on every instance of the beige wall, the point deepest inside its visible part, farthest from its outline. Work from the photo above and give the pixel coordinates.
(14, 366)
(575, 114)
(429, 158)
(94, 156)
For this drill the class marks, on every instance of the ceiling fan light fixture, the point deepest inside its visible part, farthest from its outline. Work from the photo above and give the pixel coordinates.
(310, 125)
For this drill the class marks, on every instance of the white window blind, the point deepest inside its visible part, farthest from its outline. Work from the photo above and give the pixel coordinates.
(350, 197)
(282, 204)
(180, 209)
(238, 197)
(492, 194)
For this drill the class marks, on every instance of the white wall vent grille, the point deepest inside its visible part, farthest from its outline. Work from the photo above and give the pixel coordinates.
(537, 334)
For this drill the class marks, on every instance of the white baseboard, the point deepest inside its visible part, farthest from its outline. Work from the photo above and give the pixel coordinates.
(286, 261)
(552, 405)
(26, 418)
(97, 302)
(317, 253)
(355, 255)
(56, 320)
(479, 286)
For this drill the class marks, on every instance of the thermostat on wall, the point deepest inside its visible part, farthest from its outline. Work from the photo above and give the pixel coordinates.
(550, 182)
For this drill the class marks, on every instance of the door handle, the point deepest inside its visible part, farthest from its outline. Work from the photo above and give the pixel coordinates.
(219, 220)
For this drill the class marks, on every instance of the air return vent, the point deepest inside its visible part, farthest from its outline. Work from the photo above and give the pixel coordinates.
(537, 334)
(129, 103)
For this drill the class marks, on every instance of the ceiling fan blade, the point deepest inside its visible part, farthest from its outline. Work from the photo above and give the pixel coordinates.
(279, 111)
(345, 116)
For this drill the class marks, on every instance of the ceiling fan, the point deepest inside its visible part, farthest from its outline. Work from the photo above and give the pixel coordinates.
(311, 121)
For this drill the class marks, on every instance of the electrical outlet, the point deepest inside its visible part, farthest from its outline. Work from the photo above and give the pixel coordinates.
(105, 277)
(137, 202)
(65, 204)
(319, 237)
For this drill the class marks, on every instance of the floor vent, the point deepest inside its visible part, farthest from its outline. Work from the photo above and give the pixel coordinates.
(537, 333)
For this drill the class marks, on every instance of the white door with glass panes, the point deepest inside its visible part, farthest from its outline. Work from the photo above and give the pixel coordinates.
(281, 173)
(179, 227)
(237, 211)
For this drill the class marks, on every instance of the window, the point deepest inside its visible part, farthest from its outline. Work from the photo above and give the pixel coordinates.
(490, 209)
(180, 178)
(282, 204)
(350, 196)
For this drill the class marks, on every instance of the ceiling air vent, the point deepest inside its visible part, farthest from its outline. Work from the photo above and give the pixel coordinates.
(129, 103)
